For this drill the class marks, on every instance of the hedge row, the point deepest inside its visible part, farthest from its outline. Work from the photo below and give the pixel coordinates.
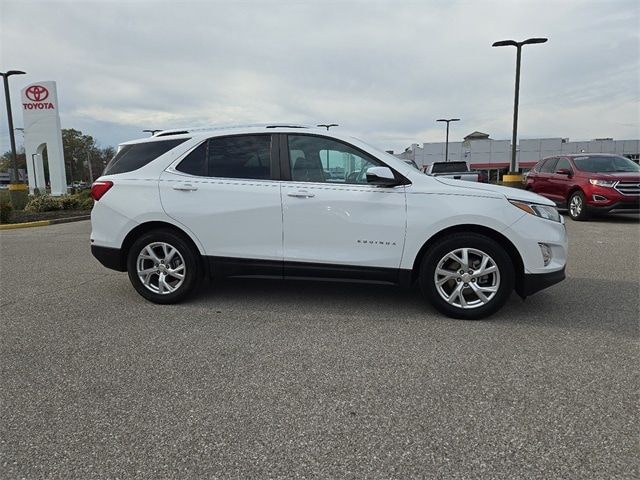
(47, 203)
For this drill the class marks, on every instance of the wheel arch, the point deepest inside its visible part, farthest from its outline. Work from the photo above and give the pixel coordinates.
(156, 225)
(510, 248)
(572, 190)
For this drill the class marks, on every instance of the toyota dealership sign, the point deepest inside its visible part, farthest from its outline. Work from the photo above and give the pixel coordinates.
(36, 97)
(42, 131)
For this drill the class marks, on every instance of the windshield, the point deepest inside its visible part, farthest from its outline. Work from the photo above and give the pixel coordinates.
(605, 164)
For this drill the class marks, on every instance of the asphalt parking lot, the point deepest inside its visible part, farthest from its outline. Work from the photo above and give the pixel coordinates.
(268, 379)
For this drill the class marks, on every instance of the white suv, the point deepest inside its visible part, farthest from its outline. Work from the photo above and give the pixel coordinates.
(288, 201)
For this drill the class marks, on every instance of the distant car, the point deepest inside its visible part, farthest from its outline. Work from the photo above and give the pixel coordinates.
(588, 184)
(453, 170)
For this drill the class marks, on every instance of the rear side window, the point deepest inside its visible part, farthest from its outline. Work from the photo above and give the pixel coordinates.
(196, 162)
(133, 157)
(242, 156)
(549, 165)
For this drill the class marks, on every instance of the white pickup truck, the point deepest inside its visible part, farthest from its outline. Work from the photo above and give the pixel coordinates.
(454, 170)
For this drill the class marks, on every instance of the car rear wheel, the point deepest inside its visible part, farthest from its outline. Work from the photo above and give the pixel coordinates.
(163, 267)
(468, 276)
(577, 207)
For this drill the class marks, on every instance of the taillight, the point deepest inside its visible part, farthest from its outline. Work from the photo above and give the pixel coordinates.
(98, 189)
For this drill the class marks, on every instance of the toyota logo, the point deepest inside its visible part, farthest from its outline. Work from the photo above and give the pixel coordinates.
(37, 93)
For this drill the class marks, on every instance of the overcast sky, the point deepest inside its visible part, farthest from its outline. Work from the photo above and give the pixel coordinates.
(383, 70)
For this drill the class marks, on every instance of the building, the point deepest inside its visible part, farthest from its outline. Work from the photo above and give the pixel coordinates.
(493, 157)
(5, 177)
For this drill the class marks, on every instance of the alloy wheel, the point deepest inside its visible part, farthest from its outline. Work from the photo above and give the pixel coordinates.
(467, 278)
(161, 268)
(575, 206)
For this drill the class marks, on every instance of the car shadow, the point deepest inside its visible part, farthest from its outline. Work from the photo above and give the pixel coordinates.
(582, 303)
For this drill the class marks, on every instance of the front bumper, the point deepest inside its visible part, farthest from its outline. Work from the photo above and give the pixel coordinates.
(617, 207)
(534, 282)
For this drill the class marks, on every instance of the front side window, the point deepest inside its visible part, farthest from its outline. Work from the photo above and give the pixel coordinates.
(549, 165)
(137, 155)
(321, 159)
(563, 163)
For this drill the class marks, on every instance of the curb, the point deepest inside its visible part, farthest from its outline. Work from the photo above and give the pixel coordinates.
(44, 223)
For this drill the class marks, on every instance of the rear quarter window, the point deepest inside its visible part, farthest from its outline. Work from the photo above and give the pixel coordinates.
(137, 155)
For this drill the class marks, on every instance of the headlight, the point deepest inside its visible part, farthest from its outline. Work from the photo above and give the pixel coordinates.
(543, 211)
(602, 183)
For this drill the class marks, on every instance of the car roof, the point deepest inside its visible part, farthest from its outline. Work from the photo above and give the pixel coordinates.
(579, 155)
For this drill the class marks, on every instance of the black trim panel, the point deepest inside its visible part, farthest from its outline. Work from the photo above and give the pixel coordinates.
(619, 207)
(109, 257)
(532, 283)
(340, 272)
(222, 267)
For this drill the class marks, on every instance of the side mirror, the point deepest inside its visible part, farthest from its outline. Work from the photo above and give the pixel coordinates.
(381, 176)
(564, 171)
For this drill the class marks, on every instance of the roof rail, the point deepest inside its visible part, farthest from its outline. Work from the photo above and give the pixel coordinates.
(171, 132)
(286, 126)
(182, 131)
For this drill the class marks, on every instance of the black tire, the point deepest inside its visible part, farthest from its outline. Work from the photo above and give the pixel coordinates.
(503, 282)
(577, 207)
(185, 255)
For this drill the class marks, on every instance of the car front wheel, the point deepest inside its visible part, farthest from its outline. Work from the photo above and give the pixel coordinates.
(468, 276)
(162, 266)
(577, 208)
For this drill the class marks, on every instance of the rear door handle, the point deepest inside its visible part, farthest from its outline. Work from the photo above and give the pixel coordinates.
(185, 187)
(301, 194)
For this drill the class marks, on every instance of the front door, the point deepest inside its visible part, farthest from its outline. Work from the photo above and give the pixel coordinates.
(335, 223)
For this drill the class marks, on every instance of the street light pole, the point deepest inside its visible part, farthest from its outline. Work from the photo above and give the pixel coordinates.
(35, 177)
(446, 147)
(516, 100)
(12, 138)
(152, 131)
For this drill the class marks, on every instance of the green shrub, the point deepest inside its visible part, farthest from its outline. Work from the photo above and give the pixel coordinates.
(69, 202)
(83, 195)
(86, 204)
(42, 203)
(5, 211)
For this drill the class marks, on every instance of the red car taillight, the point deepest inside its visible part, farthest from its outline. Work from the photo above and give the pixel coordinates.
(98, 189)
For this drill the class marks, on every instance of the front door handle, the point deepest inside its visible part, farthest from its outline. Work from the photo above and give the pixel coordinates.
(185, 187)
(301, 194)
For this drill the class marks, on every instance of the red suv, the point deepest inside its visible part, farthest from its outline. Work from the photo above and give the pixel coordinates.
(588, 184)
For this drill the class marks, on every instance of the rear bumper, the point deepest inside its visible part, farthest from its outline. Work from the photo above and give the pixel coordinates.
(109, 257)
(534, 282)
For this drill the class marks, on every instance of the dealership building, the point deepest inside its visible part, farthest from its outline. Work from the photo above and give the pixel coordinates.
(493, 156)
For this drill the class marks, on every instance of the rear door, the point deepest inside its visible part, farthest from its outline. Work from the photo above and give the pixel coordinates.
(224, 191)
